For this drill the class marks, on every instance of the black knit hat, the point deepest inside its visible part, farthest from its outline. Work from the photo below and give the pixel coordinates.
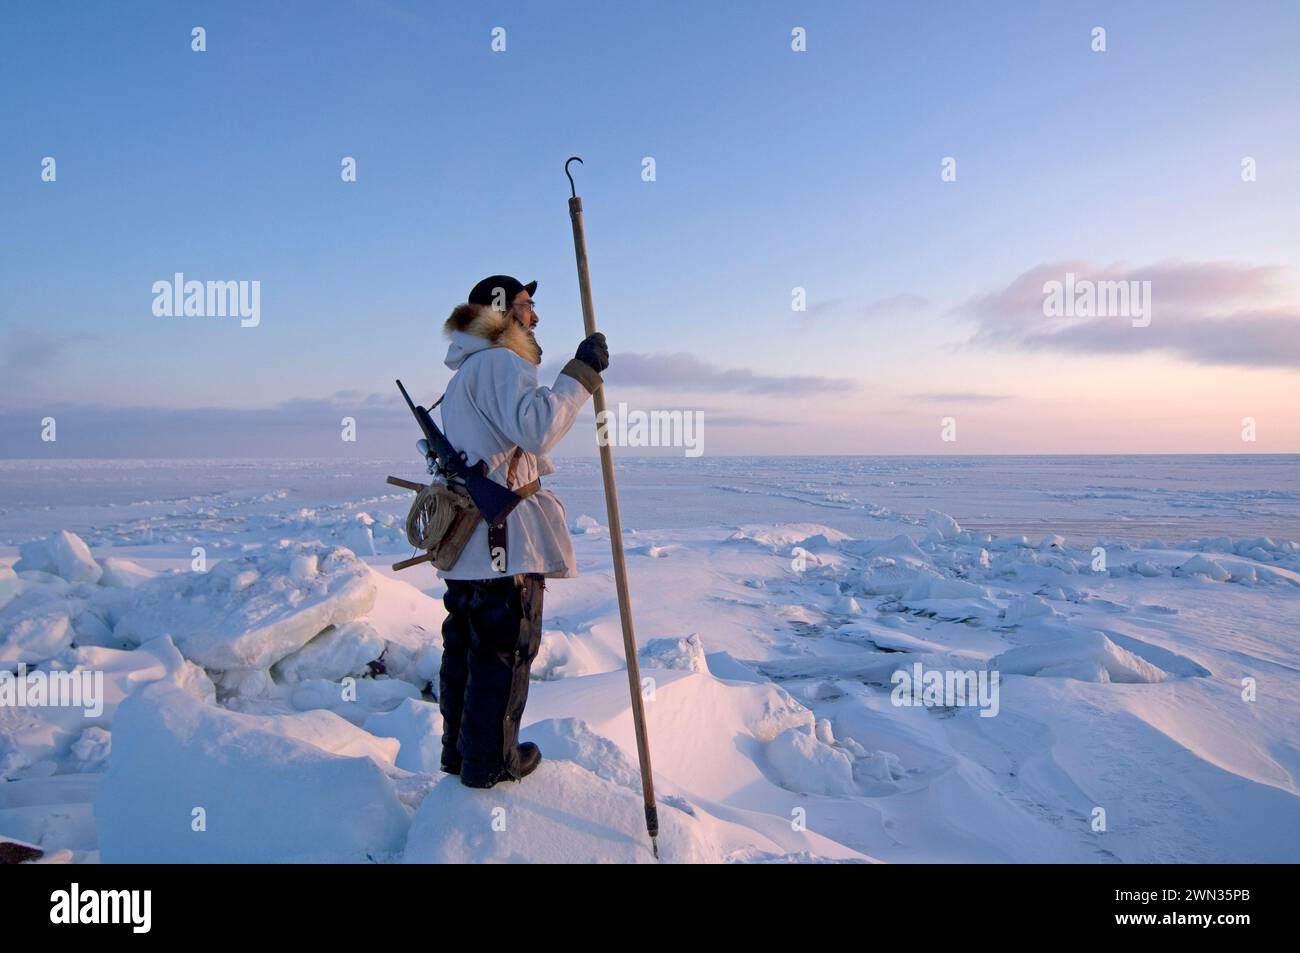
(485, 292)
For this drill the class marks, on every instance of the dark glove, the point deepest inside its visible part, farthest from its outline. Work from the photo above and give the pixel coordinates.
(594, 352)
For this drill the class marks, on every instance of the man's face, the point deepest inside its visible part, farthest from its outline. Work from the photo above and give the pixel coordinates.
(522, 309)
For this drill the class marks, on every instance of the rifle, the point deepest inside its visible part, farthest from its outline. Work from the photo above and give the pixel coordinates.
(493, 500)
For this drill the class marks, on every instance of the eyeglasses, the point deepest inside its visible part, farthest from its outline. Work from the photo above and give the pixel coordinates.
(528, 305)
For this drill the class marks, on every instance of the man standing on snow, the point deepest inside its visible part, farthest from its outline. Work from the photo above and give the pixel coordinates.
(494, 410)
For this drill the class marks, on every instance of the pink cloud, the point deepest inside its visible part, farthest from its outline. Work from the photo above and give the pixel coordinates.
(1204, 312)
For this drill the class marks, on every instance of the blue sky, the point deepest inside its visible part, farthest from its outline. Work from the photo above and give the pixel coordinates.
(775, 170)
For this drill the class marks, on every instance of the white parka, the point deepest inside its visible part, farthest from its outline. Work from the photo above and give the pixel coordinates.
(494, 404)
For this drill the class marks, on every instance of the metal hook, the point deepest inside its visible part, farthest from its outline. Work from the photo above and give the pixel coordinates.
(572, 188)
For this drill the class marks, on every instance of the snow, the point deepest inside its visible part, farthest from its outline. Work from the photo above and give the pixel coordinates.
(686, 654)
(123, 573)
(942, 526)
(194, 783)
(1088, 656)
(340, 650)
(285, 689)
(900, 545)
(801, 761)
(36, 741)
(37, 628)
(355, 701)
(1203, 566)
(1021, 609)
(229, 618)
(10, 586)
(417, 727)
(564, 814)
(564, 654)
(63, 554)
(892, 577)
(585, 525)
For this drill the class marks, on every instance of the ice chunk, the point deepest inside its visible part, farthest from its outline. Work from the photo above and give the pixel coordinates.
(304, 567)
(10, 586)
(881, 767)
(562, 655)
(427, 664)
(338, 651)
(571, 739)
(243, 579)
(90, 628)
(354, 699)
(1084, 656)
(1082, 670)
(296, 595)
(941, 525)
(939, 587)
(899, 545)
(818, 543)
(1203, 566)
(122, 573)
(90, 751)
(34, 626)
(686, 654)
(885, 576)
(1007, 543)
(1261, 544)
(238, 686)
(417, 726)
(1244, 574)
(847, 605)
(63, 554)
(778, 712)
(1022, 608)
(800, 761)
(944, 597)
(825, 733)
(106, 677)
(359, 536)
(584, 525)
(193, 783)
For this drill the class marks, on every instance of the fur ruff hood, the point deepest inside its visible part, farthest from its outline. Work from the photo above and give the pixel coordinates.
(495, 327)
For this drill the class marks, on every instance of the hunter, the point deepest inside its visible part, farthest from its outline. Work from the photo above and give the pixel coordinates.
(494, 410)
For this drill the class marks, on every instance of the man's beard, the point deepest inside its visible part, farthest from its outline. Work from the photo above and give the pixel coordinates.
(532, 337)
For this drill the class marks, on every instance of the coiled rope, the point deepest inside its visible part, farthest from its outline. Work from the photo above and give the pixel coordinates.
(432, 513)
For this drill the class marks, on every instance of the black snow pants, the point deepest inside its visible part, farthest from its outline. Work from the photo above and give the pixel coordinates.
(489, 640)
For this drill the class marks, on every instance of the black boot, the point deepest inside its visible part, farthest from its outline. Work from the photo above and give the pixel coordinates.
(505, 633)
(527, 757)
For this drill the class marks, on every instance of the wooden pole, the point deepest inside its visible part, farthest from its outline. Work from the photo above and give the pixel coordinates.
(616, 536)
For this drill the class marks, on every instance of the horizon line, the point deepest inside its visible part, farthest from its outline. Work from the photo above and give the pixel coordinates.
(675, 456)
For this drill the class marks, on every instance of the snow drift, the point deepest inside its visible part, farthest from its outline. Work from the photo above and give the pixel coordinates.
(193, 783)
